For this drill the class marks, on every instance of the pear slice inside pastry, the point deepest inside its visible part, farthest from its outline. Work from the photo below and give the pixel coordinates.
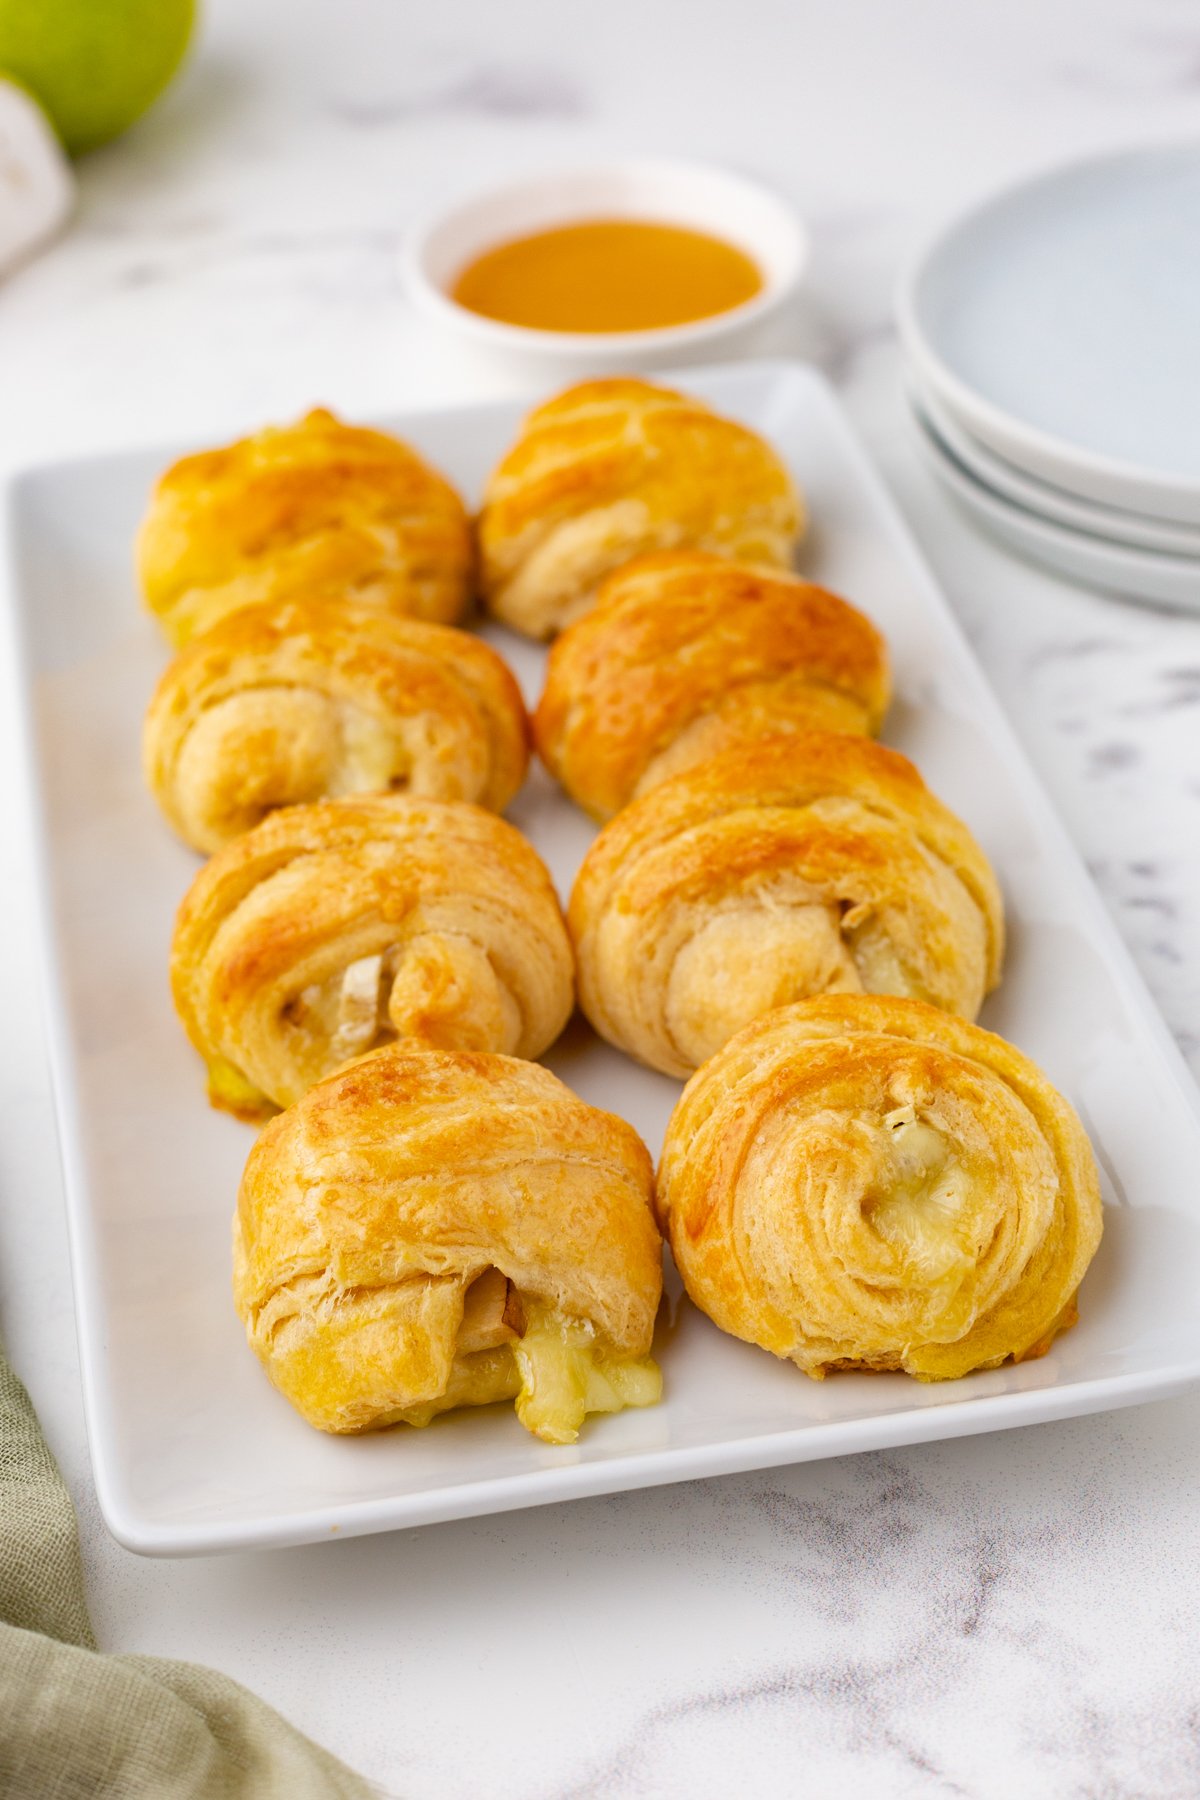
(358, 1008)
(493, 1314)
(334, 928)
(427, 1230)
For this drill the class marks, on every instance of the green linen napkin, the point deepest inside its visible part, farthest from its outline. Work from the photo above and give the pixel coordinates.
(76, 1725)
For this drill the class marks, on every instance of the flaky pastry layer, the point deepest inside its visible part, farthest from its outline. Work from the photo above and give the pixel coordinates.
(335, 927)
(865, 1182)
(687, 654)
(300, 700)
(612, 469)
(316, 508)
(810, 863)
(428, 1229)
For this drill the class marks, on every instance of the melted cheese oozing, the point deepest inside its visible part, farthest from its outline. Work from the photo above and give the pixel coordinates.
(565, 1375)
(917, 1204)
(556, 1372)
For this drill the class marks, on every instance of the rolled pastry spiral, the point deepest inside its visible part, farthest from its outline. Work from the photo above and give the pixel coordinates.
(611, 469)
(304, 699)
(686, 654)
(857, 1181)
(428, 1229)
(792, 866)
(312, 508)
(332, 928)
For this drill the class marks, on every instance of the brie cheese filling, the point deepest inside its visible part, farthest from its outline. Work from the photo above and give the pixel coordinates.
(916, 1203)
(513, 1347)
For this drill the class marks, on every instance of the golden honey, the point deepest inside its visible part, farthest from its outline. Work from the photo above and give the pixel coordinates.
(608, 275)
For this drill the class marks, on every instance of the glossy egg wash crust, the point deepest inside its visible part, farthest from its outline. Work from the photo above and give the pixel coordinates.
(800, 865)
(430, 1229)
(861, 1181)
(333, 928)
(613, 469)
(303, 700)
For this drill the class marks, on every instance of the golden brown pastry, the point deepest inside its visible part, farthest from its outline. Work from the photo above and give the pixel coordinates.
(611, 469)
(866, 1182)
(301, 699)
(686, 654)
(428, 1229)
(312, 508)
(332, 928)
(797, 865)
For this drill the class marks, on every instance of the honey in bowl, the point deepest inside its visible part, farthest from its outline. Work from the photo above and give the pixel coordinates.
(608, 275)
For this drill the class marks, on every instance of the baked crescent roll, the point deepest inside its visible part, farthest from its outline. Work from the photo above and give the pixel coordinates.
(684, 655)
(428, 1229)
(865, 1182)
(332, 928)
(312, 508)
(611, 469)
(307, 698)
(793, 866)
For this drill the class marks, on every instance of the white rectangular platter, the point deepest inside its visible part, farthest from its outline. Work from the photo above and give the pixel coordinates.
(193, 1450)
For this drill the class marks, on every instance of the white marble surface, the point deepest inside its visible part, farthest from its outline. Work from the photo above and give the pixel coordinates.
(998, 1616)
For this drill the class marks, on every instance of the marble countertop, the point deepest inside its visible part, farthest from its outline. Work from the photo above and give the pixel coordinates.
(997, 1616)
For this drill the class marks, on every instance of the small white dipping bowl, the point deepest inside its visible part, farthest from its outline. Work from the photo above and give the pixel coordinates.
(440, 246)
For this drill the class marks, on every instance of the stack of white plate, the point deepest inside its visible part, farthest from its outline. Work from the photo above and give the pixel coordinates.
(1053, 344)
